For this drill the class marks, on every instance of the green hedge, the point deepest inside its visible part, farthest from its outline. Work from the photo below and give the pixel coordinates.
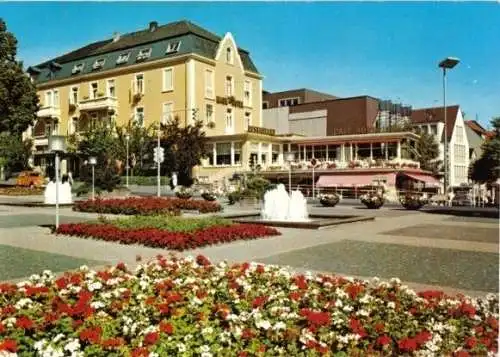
(145, 180)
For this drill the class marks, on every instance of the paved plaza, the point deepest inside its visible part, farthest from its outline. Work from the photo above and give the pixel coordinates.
(426, 251)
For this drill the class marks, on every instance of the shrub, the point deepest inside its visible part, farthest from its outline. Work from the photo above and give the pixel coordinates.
(329, 200)
(170, 223)
(145, 180)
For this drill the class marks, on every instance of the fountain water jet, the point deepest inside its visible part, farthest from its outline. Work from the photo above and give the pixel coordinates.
(64, 193)
(279, 206)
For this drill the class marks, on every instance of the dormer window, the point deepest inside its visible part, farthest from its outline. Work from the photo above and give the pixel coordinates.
(123, 58)
(77, 68)
(229, 55)
(144, 54)
(173, 47)
(99, 63)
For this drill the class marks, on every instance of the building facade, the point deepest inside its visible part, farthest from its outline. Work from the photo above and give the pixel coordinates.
(293, 97)
(431, 120)
(147, 77)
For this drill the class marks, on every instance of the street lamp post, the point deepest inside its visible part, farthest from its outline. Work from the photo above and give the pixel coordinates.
(290, 157)
(127, 139)
(158, 193)
(447, 63)
(57, 144)
(313, 163)
(93, 162)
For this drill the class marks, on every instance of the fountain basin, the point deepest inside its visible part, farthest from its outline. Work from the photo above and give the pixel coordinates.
(316, 221)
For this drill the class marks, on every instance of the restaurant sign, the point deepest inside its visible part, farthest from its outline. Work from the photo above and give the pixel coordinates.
(261, 130)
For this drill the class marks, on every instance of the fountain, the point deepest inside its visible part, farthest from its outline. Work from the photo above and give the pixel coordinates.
(279, 206)
(64, 193)
(290, 211)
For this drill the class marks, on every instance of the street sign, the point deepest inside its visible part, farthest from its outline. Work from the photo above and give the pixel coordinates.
(158, 156)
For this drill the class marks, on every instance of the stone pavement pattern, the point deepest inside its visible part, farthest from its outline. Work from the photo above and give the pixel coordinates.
(457, 254)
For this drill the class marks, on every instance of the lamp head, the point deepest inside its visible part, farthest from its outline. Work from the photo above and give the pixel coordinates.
(92, 160)
(57, 143)
(449, 62)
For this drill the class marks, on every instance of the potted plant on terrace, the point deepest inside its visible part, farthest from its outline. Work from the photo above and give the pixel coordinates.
(373, 200)
(413, 201)
(183, 192)
(209, 195)
(329, 200)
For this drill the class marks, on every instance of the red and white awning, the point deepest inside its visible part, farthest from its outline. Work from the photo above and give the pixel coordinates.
(355, 180)
(427, 179)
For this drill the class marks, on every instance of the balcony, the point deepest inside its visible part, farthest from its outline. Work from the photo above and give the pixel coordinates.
(49, 112)
(100, 103)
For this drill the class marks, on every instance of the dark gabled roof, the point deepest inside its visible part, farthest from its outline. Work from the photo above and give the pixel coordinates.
(194, 39)
(476, 127)
(435, 115)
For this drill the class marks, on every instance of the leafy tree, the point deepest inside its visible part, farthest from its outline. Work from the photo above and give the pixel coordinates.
(14, 152)
(18, 98)
(100, 143)
(426, 152)
(140, 149)
(487, 167)
(184, 148)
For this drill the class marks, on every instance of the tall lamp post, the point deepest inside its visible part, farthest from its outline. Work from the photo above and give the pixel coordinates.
(57, 144)
(93, 162)
(447, 63)
(127, 140)
(290, 157)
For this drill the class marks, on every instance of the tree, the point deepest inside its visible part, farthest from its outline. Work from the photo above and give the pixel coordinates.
(14, 152)
(426, 151)
(487, 167)
(184, 148)
(100, 143)
(18, 97)
(140, 148)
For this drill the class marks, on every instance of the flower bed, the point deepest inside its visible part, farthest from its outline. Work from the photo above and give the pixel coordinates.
(187, 306)
(146, 206)
(21, 191)
(372, 200)
(161, 238)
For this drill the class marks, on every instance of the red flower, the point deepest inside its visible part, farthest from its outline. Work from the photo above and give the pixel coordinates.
(383, 340)
(8, 345)
(423, 337)
(113, 342)
(461, 353)
(247, 334)
(24, 322)
(202, 260)
(259, 301)
(354, 290)
(166, 327)
(243, 354)
(140, 352)
(295, 295)
(62, 283)
(379, 327)
(91, 335)
(357, 327)
(301, 282)
(407, 344)
(470, 342)
(316, 319)
(151, 338)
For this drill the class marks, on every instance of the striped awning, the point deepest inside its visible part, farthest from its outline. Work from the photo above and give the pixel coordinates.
(355, 180)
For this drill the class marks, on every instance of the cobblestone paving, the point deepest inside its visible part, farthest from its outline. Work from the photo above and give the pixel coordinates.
(455, 268)
(476, 234)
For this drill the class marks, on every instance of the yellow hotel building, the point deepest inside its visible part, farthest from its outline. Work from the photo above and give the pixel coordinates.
(147, 76)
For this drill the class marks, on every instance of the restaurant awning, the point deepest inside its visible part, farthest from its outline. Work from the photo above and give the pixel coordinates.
(355, 180)
(427, 179)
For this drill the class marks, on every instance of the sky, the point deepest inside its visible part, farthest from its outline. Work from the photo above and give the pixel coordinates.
(388, 50)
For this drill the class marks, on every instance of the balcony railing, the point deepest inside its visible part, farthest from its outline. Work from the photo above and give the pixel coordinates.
(49, 112)
(348, 165)
(99, 103)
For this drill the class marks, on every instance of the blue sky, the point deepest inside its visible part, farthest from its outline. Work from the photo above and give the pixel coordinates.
(386, 50)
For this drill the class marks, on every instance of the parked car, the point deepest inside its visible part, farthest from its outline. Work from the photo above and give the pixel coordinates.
(30, 179)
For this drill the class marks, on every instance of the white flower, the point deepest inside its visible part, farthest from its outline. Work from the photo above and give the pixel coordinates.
(97, 305)
(279, 326)
(72, 345)
(391, 305)
(22, 303)
(181, 347)
(395, 281)
(264, 324)
(95, 286)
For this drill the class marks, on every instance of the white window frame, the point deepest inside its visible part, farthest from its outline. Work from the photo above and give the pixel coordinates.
(123, 58)
(56, 98)
(173, 47)
(164, 72)
(229, 119)
(136, 112)
(231, 86)
(247, 119)
(143, 83)
(209, 119)
(77, 68)
(164, 118)
(247, 87)
(49, 98)
(71, 97)
(91, 92)
(99, 63)
(209, 83)
(108, 87)
(143, 54)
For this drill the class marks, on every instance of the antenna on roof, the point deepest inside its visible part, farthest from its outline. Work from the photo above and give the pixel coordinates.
(116, 36)
(153, 25)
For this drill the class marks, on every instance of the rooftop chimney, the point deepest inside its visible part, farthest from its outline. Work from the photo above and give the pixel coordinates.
(116, 36)
(153, 25)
